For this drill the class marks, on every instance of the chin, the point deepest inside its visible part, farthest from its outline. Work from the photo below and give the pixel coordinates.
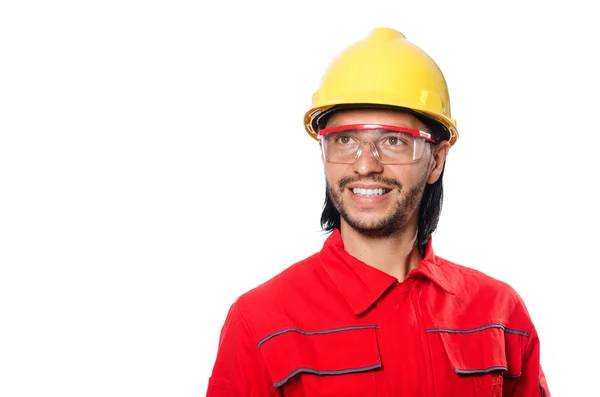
(368, 223)
(375, 230)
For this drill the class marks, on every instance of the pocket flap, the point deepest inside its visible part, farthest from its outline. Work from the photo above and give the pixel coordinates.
(483, 350)
(334, 351)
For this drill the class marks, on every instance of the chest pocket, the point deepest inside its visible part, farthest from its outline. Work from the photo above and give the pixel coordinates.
(486, 360)
(331, 362)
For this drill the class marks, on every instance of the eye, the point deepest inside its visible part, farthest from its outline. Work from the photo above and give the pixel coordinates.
(344, 139)
(394, 141)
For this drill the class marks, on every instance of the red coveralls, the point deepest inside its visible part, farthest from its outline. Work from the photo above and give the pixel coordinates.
(331, 325)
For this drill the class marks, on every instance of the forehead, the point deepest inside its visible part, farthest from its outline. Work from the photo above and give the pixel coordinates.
(375, 116)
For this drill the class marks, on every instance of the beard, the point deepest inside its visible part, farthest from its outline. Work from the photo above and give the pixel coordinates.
(392, 224)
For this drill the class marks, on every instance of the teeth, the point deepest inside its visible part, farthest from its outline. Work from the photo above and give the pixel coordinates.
(368, 192)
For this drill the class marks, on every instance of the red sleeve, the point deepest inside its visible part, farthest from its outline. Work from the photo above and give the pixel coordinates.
(532, 381)
(239, 369)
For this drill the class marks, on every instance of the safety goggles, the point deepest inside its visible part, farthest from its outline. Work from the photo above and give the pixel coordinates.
(389, 144)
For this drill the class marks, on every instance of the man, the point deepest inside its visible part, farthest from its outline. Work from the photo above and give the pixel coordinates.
(376, 312)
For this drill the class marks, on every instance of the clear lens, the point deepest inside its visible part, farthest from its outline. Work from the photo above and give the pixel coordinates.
(390, 147)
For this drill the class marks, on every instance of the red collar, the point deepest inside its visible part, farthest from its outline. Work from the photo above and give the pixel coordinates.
(362, 285)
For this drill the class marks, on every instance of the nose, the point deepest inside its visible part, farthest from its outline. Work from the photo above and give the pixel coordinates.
(367, 161)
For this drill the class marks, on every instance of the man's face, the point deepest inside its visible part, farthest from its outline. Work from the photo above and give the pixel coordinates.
(388, 213)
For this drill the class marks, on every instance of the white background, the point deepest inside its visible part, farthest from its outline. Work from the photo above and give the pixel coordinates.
(154, 166)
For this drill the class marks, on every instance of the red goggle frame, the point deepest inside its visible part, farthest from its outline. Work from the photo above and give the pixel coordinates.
(369, 127)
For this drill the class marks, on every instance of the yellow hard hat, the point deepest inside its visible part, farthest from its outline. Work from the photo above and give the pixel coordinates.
(388, 70)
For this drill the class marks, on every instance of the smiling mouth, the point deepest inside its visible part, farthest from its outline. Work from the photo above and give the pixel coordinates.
(370, 192)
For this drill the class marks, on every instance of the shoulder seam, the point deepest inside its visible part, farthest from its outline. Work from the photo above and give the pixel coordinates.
(243, 320)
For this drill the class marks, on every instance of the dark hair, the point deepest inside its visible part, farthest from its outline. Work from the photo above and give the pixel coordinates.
(430, 206)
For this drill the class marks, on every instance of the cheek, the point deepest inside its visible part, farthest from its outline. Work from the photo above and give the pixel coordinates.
(410, 175)
(335, 172)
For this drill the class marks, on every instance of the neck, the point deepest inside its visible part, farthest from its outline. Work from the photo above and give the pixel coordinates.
(395, 255)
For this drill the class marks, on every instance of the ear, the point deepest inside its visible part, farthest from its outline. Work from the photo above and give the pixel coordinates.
(438, 158)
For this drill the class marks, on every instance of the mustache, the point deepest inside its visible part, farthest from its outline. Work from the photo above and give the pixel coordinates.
(387, 181)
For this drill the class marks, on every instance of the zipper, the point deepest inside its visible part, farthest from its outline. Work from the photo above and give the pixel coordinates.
(415, 282)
